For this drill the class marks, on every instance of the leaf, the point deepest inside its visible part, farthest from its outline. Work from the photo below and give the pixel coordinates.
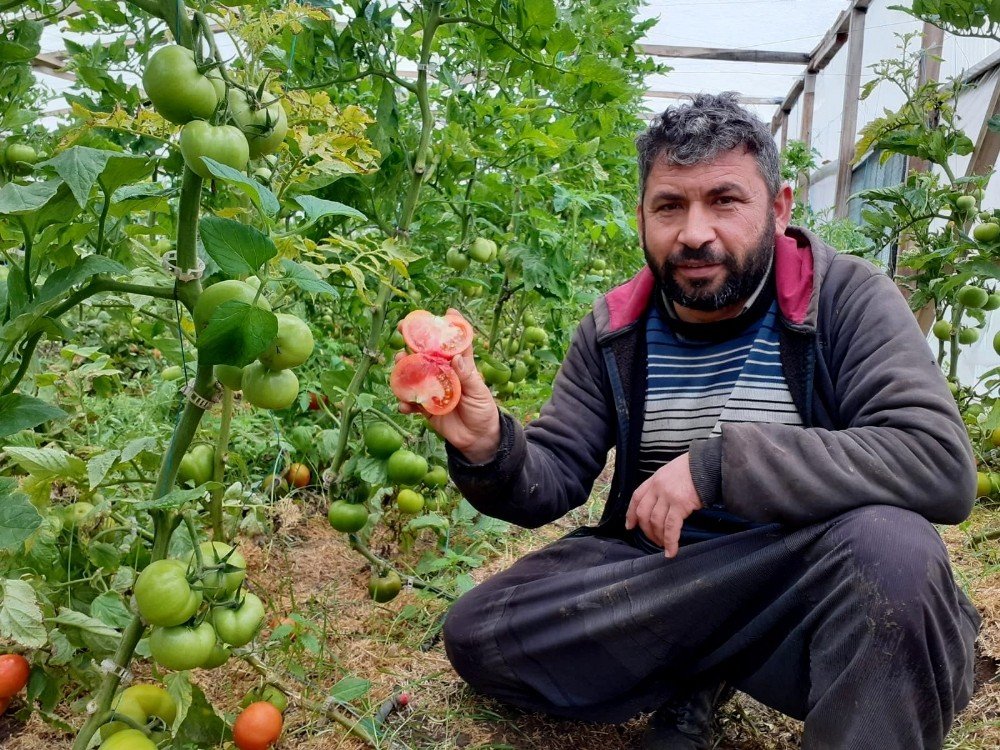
(239, 249)
(197, 725)
(20, 615)
(262, 198)
(18, 412)
(141, 445)
(79, 167)
(236, 334)
(18, 199)
(433, 521)
(66, 278)
(349, 689)
(47, 463)
(111, 610)
(317, 208)
(94, 633)
(177, 498)
(99, 466)
(18, 517)
(305, 279)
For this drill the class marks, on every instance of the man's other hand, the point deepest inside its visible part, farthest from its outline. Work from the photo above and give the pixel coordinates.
(661, 503)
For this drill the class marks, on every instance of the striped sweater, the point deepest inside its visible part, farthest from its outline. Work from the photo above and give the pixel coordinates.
(702, 376)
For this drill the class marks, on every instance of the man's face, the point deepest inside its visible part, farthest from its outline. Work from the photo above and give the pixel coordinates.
(708, 231)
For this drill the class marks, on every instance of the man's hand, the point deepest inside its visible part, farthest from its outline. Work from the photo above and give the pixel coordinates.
(661, 503)
(473, 427)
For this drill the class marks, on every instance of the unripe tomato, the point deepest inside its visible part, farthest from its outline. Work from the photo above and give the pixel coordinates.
(257, 727)
(535, 336)
(396, 340)
(20, 152)
(164, 596)
(965, 203)
(406, 467)
(197, 466)
(14, 673)
(409, 502)
(237, 626)
(297, 475)
(178, 91)
(347, 517)
(973, 296)
(267, 389)
(986, 232)
(996, 342)
(273, 484)
(456, 260)
(230, 376)
(182, 647)
(968, 336)
(385, 588)
(983, 485)
(291, 347)
(381, 440)
(220, 584)
(128, 739)
(436, 477)
(942, 330)
(219, 656)
(995, 437)
(141, 703)
(78, 515)
(264, 127)
(518, 371)
(220, 292)
(174, 372)
(224, 143)
(483, 250)
(993, 303)
(493, 371)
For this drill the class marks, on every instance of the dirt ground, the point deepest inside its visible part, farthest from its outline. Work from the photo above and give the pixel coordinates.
(306, 567)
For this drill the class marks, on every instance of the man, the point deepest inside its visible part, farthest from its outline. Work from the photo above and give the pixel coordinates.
(784, 441)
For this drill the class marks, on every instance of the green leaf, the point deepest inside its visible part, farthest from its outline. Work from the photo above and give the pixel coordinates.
(111, 610)
(18, 199)
(99, 466)
(79, 167)
(95, 634)
(349, 689)
(18, 517)
(20, 615)
(262, 198)
(140, 445)
(47, 463)
(198, 725)
(65, 278)
(19, 412)
(177, 498)
(305, 279)
(239, 249)
(317, 208)
(236, 334)
(433, 521)
(540, 13)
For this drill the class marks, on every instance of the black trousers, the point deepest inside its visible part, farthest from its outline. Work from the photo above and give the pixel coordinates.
(854, 625)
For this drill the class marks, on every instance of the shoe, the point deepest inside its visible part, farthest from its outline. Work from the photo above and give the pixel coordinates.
(685, 723)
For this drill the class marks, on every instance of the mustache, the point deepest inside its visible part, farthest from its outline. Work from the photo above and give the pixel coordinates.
(703, 254)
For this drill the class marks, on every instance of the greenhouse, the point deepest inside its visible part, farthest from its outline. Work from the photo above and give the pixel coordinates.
(535, 374)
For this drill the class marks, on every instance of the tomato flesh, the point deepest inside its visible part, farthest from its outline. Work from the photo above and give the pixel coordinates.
(428, 381)
(441, 335)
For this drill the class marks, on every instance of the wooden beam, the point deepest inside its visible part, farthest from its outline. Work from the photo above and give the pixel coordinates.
(929, 70)
(52, 65)
(787, 105)
(732, 55)
(784, 130)
(984, 158)
(805, 132)
(849, 121)
(763, 100)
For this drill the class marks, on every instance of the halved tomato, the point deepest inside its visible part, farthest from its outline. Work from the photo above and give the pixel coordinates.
(426, 380)
(443, 336)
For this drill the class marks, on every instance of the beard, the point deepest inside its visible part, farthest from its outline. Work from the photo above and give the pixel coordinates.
(740, 281)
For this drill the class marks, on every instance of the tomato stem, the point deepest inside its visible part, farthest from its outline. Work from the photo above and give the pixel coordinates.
(218, 471)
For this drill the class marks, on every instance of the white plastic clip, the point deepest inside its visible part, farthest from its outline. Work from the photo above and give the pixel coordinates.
(201, 402)
(409, 584)
(169, 262)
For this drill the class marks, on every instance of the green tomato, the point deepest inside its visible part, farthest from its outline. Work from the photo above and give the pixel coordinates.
(996, 342)
(409, 501)
(292, 346)
(535, 336)
(347, 517)
(436, 477)
(220, 584)
(141, 703)
(78, 515)
(493, 371)
(178, 91)
(274, 485)
(197, 466)
(174, 372)
(164, 596)
(182, 647)
(456, 260)
(598, 264)
(20, 157)
(406, 467)
(966, 203)
(263, 173)
(518, 371)
(224, 143)
(275, 697)
(128, 739)
(968, 336)
(230, 376)
(224, 291)
(993, 303)
(385, 588)
(265, 128)
(986, 232)
(483, 250)
(381, 440)
(238, 626)
(973, 297)
(396, 340)
(267, 389)
(437, 501)
(942, 330)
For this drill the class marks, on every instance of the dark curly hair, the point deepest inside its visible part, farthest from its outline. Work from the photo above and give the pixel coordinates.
(697, 132)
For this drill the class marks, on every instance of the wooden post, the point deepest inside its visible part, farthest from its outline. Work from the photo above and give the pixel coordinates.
(849, 122)
(805, 133)
(984, 158)
(784, 130)
(929, 70)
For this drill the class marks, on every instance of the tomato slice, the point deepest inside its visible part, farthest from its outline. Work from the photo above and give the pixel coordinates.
(439, 335)
(425, 380)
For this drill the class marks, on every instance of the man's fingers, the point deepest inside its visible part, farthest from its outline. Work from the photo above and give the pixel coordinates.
(657, 516)
(640, 492)
(672, 532)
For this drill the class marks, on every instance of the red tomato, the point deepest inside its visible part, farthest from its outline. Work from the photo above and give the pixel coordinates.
(425, 380)
(257, 727)
(14, 671)
(443, 336)
(297, 475)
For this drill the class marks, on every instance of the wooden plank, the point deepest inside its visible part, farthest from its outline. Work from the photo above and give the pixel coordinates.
(929, 70)
(732, 55)
(849, 121)
(52, 65)
(784, 130)
(984, 158)
(763, 100)
(805, 132)
(788, 104)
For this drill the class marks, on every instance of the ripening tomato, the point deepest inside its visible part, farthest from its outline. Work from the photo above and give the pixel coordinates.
(14, 672)
(440, 335)
(298, 475)
(257, 727)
